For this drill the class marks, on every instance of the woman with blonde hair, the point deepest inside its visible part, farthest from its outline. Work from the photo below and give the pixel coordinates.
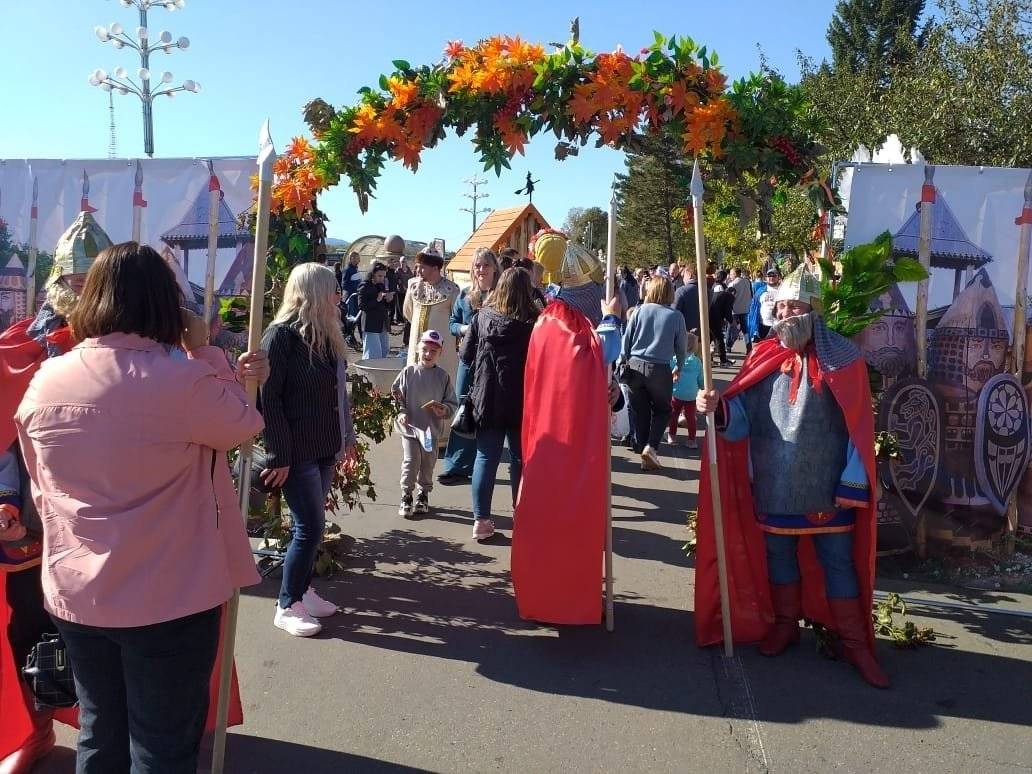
(308, 429)
(461, 452)
(654, 335)
(496, 350)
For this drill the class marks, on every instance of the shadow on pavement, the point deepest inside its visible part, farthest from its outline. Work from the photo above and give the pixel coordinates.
(256, 755)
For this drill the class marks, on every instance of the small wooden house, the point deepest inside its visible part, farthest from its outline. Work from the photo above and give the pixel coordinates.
(511, 227)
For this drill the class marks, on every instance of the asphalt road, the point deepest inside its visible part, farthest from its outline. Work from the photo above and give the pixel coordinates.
(428, 667)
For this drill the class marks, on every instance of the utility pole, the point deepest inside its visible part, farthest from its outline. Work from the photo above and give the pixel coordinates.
(476, 196)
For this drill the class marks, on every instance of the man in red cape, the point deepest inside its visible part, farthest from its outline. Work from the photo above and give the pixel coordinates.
(796, 423)
(559, 524)
(26, 734)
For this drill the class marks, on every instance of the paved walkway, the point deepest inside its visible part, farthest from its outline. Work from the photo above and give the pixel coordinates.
(430, 669)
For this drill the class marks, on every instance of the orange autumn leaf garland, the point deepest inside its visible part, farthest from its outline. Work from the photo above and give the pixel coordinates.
(508, 90)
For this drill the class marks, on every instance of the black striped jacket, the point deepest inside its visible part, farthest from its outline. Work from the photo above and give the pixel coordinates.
(299, 401)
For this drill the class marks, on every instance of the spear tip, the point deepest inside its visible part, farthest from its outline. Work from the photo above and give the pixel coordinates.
(696, 186)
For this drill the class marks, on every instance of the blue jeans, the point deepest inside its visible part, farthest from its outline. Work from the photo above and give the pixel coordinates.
(375, 345)
(834, 551)
(143, 693)
(490, 441)
(305, 491)
(461, 451)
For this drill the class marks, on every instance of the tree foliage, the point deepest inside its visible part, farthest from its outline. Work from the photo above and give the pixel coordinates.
(588, 227)
(874, 35)
(958, 94)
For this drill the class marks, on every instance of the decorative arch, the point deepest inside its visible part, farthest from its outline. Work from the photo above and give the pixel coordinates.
(508, 91)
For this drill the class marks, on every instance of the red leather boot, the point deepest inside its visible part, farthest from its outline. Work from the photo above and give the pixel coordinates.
(787, 600)
(854, 624)
(37, 745)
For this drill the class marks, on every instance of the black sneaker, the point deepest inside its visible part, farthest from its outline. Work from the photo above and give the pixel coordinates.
(422, 503)
(452, 479)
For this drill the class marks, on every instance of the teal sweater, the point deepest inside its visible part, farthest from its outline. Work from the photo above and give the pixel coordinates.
(688, 385)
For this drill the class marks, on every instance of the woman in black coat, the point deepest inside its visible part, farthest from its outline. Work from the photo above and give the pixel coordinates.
(495, 349)
(308, 430)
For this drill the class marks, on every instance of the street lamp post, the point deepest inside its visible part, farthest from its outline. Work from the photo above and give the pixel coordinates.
(119, 79)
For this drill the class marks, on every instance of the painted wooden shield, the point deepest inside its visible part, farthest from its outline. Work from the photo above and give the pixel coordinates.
(910, 411)
(1002, 443)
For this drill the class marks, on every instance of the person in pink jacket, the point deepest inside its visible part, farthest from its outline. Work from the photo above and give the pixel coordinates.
(126, 446)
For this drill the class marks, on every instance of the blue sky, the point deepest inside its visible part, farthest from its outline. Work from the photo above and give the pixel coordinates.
(267, 58)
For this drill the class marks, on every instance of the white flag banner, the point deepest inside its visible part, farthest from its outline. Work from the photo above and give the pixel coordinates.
(171, 201)
(983, 201)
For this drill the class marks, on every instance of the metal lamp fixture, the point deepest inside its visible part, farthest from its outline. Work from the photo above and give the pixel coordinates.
(145, 44)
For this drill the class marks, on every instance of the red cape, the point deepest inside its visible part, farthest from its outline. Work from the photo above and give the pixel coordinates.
(558, 540)
(748, 587)
(20, 358)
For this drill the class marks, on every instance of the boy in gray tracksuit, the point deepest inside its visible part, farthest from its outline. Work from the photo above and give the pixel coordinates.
(427, 398)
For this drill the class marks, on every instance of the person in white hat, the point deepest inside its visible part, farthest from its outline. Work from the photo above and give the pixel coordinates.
(427, 398)
(797, 424)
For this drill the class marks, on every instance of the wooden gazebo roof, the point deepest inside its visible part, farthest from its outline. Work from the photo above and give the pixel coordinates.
(493, 234)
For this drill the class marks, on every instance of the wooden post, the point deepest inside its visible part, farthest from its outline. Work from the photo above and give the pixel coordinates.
(138, 203)
(1024, 221)
(610, 292)
(30, 268)
(711, 433)
(214, 199)
(266, 157)
(924, 255)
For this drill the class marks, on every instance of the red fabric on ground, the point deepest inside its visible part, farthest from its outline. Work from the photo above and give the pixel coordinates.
(748, 586)
(558, 539)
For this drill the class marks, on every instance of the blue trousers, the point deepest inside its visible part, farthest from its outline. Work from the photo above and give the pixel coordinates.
(143, 693)
(490, 442)
(834, 551)
(305, 491)
(461, 451)
(375, 345)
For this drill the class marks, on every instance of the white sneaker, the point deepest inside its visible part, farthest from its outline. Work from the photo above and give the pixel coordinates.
(295, 620)
(317, 606)
(670, 439)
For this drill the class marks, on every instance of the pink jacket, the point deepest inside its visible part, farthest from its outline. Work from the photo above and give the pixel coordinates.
(126, 448)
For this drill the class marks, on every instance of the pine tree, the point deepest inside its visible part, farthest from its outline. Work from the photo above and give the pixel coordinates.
(651, 197)
(871, 36)
(576, 226)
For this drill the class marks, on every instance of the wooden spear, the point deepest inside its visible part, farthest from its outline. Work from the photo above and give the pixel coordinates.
(610, 292)
(711, 433)
(924, 255)
(1024, 221)
(266, 157)
(214, 199)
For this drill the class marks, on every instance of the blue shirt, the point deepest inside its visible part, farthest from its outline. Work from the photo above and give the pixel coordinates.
(690, 382)
(655, 334)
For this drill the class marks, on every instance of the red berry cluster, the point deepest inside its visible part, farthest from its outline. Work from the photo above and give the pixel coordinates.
(785, 147)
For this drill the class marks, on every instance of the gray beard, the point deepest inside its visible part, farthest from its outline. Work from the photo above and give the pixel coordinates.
(794, 332)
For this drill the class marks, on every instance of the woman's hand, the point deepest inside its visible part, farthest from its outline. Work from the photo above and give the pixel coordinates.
(706, 401)
(253, 367)
(195, 330)
(275, 477)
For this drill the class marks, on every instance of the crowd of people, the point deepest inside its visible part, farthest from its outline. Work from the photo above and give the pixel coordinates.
(531, 356)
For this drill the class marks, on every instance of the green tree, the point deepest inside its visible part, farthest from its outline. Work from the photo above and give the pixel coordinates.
(588, 227)
(872, 36)
(651, 196)
(958, 98)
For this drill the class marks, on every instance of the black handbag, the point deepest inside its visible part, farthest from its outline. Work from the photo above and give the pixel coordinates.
(463, 423)
(48, 672)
